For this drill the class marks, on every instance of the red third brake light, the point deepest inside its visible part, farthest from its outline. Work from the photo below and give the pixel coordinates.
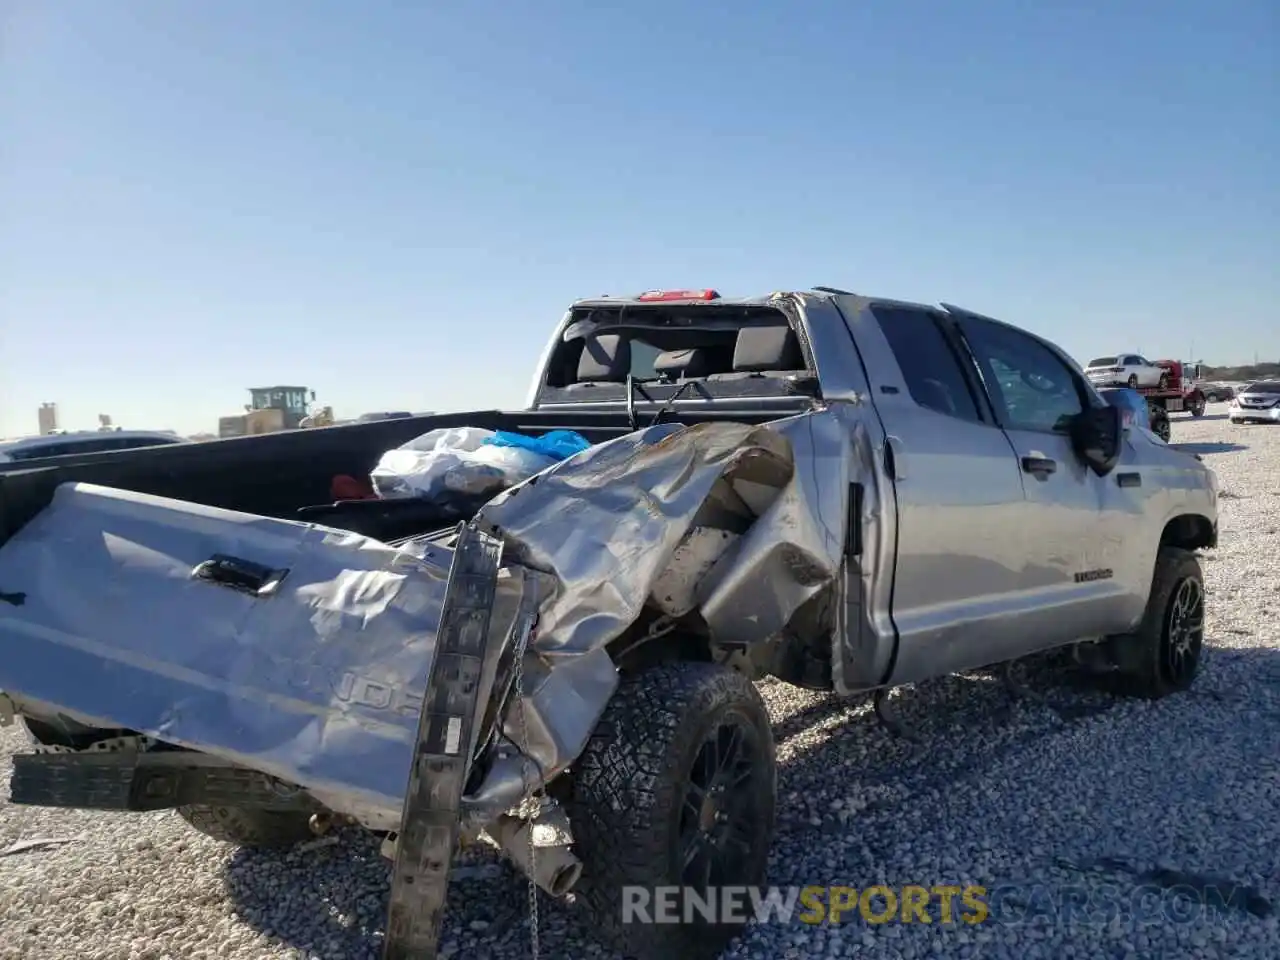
(652, 296)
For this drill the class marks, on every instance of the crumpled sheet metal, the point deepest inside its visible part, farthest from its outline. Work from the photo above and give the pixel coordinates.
(607, 526)
(115, 634)
(795, 548)
(321, 685)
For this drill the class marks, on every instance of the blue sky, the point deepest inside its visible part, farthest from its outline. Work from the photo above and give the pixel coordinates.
(393, 203)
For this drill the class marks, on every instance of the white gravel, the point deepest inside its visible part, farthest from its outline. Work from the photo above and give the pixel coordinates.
(1081, 790)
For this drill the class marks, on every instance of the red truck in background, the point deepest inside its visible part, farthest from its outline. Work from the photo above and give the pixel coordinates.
(1181, 393)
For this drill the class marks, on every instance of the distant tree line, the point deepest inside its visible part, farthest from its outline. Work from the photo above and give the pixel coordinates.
(1253, 371)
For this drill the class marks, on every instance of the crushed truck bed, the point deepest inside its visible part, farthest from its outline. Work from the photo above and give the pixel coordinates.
(303, 652)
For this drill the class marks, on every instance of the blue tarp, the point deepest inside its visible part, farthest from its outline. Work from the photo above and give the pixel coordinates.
(557, 444)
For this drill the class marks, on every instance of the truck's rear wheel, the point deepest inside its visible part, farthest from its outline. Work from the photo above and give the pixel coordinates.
(1164, 381)
(1163, 655)
(1133, 381)
(245, 827)
(676, 788)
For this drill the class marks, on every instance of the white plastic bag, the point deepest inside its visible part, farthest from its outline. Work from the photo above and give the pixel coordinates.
(451, 462)
(452, 439)
(514, 462)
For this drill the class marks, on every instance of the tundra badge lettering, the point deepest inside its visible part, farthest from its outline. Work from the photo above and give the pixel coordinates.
(1088, 576)
(365, 692)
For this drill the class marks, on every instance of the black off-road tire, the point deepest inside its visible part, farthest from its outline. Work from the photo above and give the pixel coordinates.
(1148, 665)
(1161, 427)
(1133, 381)
(1163, 382)
(629, 792)
(258, 829)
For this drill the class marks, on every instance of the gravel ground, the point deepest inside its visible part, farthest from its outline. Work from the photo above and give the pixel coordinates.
(1078, 790)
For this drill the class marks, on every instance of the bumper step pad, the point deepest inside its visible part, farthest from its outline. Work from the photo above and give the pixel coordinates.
(141, 781)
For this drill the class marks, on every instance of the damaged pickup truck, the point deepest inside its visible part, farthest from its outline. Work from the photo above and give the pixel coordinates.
(845, 493)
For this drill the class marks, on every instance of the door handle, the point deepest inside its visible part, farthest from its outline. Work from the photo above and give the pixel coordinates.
(1039, 465)
(895, 458)
(1129, 479)
(245, 576)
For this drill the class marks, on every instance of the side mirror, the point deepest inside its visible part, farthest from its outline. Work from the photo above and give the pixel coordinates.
(1097, 435)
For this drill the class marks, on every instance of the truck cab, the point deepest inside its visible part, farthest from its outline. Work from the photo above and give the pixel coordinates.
(960, 429)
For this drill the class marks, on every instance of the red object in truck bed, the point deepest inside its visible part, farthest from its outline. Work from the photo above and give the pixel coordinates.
(345, 487)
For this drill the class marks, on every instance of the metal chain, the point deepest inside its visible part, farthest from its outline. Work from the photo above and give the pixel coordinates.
(534, 793)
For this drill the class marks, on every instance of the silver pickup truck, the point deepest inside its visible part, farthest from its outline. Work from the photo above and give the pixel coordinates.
(843, 492)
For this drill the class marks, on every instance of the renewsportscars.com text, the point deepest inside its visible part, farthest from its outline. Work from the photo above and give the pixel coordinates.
(944, 904)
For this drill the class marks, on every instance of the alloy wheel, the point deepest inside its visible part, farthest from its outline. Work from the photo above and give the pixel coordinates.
(1184, 631)
(721, 814)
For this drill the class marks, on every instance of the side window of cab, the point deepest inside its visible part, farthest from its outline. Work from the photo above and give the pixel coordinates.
(1031, 387)
(929, 364)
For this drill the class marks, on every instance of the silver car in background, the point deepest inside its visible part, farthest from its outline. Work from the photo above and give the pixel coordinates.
(1257, 403)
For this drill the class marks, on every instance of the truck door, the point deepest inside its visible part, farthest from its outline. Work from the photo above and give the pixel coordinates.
(958, 488)
(1068, 554)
